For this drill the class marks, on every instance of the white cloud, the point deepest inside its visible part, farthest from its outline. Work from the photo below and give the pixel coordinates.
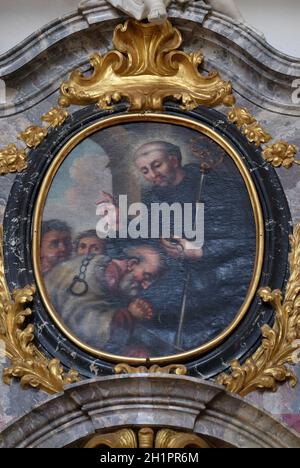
(89, 175)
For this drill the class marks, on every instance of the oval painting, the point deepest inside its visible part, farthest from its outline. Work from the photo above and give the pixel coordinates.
(149, 239)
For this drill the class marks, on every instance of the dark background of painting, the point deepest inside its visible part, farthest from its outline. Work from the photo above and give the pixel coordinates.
(18, 225)
(219, 282)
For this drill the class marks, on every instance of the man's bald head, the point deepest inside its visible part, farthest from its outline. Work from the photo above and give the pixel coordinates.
(145, 263)
(160, 163)
(168, 148)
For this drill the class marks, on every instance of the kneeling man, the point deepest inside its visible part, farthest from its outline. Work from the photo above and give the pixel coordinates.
(94, 294)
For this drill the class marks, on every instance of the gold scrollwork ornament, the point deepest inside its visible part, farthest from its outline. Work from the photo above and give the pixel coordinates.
(168, 439)
(146, 438)
(281, 154)
(123, 439)
(12, 159)
(146, 68)
(240, 116)
(256, 134)
(178, 369)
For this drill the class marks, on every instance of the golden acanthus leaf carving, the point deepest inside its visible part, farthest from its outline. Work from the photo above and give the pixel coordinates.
(147, 438)
(146, 68)
(178, 369)
(55, 117)
(123, 439)
(240, 116)
(27, 363)
(249, 126)
(168, 439)
(256, 134)
(281, 154)
(269, 364)
(33, 136)
(12, 159)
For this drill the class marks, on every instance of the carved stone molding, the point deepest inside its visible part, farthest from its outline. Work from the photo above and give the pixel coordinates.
(226, 7)
(83, 19)
(222, 40)
(182, 404)
(157, 10)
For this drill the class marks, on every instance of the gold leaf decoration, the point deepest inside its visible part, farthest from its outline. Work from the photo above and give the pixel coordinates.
(147, 439)
(268, 366)
(12, 159)
(177, 369)
(27, 363)
(281, 154)
(256, 134)
(146, 68)
(123, 439)
(168, 439)
(33, 136)
(249, 126)
(240, 116)
(55, 117)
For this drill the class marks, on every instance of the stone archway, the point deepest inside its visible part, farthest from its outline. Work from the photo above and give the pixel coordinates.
(183, 405)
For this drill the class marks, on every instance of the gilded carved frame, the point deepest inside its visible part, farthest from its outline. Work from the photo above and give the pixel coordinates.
(127, 73)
